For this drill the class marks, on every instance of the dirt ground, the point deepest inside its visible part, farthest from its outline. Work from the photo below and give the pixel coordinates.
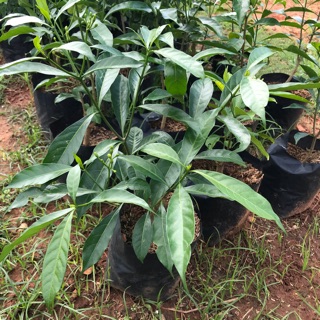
(290, 289)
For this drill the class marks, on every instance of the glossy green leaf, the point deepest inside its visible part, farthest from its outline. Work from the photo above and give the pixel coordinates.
(183, 60)
(145, 167)
(118, 196)
(23, 197)
(221, 155)
(162, 151)
(65, 7)
(212, 24)
(27, 66)
(55, 261)
(101, 149)
(205, 190)
(108, 79)
(180, 229)
(44, 9)
(79, 47)
(239, 131)
(289, 86)
(120, 96)
(150, 36)
(241, 193)
(37, 226)
(142, 236)
(99, 238)
(289, 95)
(102, 34)
(241, 8)
(38, 174)
(172, 112)
(160, 238)
(175, 79)
(130, 5)
(156, 95)
(255, 95)
(68, 142)
(114, 62)
(257, 56)
(200, 95)
(15, 32)
(73, 181)
(23, 20)
(134, 139)
(296, 50)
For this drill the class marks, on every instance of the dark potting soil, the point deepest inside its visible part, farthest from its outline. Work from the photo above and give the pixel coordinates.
(98, 134)
(170, 125)
(303, 155)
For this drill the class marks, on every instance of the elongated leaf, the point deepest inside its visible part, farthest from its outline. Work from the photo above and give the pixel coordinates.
(55, 261)
(79, 47)
(293, 86)
(172, 112)
(257, 56)
(241, 7)
(109, 77)
(120, 96)
(73, 180)
(255, 95)
(212, 24)
(145, 167)
(241, 193)
(221, 155)
(142, 236)
(134, 139)
(114, 62)
(68, 142)
(16, 31)
(289, 95)
(40, 224)
(205, 190)
(150, 36)
(23, 198)
(38, 174)
(102, 148)
(64, 8)
(23, 20)
(130, 5)
(175, 79)
(102, 34)
(156, 95)
(211, 52)
(299, 52)
(162, 151)
(183, 60)
(200, 96)
(120, 196)
(26, 66)
(98, 239)
(181, 229)
(240, 132)
(160, 238)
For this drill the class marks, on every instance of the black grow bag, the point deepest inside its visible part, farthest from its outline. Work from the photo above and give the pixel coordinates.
(289, 185)
(279, 111)
(222, 217)
(54, 117)
(149, 279)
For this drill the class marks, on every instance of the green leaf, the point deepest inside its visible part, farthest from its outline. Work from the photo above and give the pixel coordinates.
(44, 9)
(239, 131)
(114, 62)
(142, 236)
(102, 34)
(150, 36)
(289, 95)
(241, 8)
(99, 238)
(212, 24)
(160, 238)
(120, 96)
(145, 167)
(205, 190)
(157, 94)
(101, 149)
(180, 229)
(162, 151)
(289, 86)
(296, 50)
(183, 60)
(68, 142)
(38, 174)
(40, 224)
(117, 196)
(255, 95)
(77, 46)
(200, 95)
(23, 198)
(15, 32)
(175, 79)
(55, 261)
(221, 155)
(130, 5)
(134, 139)
(241, 193)
(64, 8)
(26, 66)
(73, 181)
(211, 52)
(108, 79)
(24, 20)
(257, 56)
(173, 113)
